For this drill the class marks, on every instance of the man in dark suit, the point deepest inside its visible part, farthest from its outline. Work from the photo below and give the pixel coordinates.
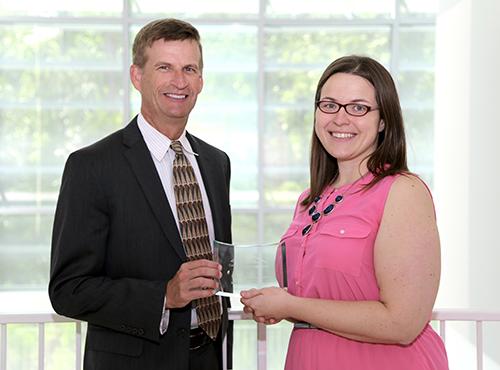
(118, 260)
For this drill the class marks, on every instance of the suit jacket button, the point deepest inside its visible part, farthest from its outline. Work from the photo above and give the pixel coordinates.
(181, 331)
(140, 332)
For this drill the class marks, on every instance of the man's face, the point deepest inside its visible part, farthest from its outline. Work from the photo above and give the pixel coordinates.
(169, 82)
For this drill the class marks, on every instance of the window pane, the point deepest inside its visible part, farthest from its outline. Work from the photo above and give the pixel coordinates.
(278, 337)
(60, 85)
(339, 9)
(417, 47)
(276, 224)
(287, 135)
(417, 96)
(59, 344)
(244, 227)
(294, 60)
(245, 345)
(226, 112)
(24, 246)
(25, 229)
(418, 9)
(54, 8)
(24, 267)
(196, 8)
(416, 88)
(309, 50)
(61, 88)
(22, 346)
(419, 126)
(60, 341)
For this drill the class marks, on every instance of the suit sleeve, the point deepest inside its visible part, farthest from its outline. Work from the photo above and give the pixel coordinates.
(79, 286)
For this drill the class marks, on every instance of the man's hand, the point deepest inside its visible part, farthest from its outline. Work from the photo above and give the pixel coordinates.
(194, 279)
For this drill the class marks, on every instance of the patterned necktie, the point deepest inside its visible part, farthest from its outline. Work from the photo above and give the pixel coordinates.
(194, 233)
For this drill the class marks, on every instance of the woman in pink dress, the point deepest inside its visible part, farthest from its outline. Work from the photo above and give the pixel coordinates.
(363, 252)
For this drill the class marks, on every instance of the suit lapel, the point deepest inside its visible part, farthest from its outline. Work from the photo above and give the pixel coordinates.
(144, 169)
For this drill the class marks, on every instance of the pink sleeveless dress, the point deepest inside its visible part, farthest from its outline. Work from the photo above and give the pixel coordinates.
(335, 261)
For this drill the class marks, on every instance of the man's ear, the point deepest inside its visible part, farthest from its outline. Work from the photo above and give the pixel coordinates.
(201, 84)
(136, 76)
(381, 125)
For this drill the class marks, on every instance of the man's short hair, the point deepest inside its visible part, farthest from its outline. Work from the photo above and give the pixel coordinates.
(168, 29)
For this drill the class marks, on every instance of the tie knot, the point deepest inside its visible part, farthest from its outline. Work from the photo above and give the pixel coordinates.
(176, 146)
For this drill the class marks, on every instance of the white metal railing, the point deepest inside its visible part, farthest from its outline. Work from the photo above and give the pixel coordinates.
(40, 319)
(440, 315)
(476, 316)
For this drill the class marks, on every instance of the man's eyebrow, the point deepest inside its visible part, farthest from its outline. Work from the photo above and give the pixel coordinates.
(161, 63)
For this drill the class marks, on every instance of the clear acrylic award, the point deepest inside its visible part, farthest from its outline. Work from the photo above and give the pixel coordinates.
(247, 266)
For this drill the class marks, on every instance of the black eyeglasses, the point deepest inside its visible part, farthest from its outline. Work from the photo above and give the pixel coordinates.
(352, 109)
(316, 215)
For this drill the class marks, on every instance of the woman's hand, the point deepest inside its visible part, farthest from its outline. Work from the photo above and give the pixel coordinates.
(247, 309)
(267, 305)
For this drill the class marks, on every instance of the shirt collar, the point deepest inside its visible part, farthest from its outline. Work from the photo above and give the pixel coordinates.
(157, 143)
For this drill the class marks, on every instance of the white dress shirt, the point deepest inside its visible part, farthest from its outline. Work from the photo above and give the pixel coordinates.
(163, 157)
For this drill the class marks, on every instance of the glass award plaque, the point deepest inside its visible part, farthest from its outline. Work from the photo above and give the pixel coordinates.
(247, 266)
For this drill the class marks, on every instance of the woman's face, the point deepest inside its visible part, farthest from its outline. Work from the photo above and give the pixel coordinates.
(350, 139)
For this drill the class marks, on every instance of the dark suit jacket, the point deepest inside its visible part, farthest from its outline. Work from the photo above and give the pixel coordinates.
(115, 245)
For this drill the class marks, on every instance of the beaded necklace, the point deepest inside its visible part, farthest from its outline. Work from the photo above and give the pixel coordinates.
(316, 215)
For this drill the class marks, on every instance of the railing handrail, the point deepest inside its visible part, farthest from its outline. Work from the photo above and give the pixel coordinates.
(446, 314)
(465, 314)
(33, 318)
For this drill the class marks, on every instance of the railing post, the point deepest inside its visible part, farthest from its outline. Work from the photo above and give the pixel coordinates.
(78, 345)
(479, 344)
(224, 352)
(41, 346)
(442, 330)
(261, 347)
(3, 348)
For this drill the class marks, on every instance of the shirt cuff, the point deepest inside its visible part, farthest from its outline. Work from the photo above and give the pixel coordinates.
(165, 316)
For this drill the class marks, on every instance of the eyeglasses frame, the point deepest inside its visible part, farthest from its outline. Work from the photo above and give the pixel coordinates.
(369, 108)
